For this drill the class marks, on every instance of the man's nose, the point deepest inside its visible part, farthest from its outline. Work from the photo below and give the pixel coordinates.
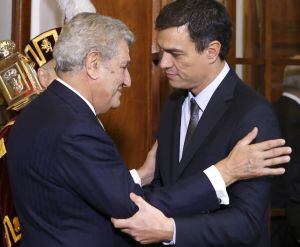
(127, 79)
(166, 61)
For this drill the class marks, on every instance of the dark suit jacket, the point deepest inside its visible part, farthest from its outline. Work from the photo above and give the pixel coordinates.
(286, 188)
(233, 111)
(68, 178)
(288, 112)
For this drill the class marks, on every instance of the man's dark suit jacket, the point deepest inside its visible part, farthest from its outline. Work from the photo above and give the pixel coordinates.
(286, 188)
(231, 113)
(68, 178)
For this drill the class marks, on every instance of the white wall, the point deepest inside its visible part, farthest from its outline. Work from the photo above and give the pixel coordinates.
(45, 15)
(239, 35)
(5, 19)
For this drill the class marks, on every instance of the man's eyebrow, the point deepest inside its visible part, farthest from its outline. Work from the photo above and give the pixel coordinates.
(173, 50)
(126, 63)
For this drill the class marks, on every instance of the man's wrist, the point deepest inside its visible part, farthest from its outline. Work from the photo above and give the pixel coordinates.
(167, 230)
(143, 176)
(223, 169)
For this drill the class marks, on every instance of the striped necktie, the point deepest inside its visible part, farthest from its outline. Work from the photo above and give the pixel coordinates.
(194, 119)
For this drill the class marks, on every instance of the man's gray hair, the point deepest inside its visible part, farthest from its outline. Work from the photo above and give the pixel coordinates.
(291, 78)
(88, 32)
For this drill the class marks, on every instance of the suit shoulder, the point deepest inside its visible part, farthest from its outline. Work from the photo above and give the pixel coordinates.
(247, 97)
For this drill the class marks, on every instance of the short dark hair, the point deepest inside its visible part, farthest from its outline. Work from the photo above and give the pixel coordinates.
(207, 20)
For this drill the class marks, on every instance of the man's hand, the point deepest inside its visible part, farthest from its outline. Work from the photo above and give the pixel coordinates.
(146, 172)
(249, 161)
(148, 225)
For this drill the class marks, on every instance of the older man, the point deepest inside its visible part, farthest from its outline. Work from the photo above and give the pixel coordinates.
(67, 176)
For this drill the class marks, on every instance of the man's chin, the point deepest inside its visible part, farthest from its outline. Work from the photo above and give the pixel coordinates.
(116, 104)
(175, 84)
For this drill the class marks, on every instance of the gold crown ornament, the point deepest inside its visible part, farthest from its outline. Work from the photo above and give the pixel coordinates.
(18, 79)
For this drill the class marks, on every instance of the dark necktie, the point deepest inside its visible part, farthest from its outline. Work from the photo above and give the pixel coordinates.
(193, 122)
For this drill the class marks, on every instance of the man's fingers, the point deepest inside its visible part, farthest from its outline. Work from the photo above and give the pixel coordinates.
(147, 241)
(136, 199)
(120, 223)
(136, 236)
(249, 137)
(272, 171)
(139, 201)
(277, 152)
(266, 145)
(276, 161)
(127, 231)
(154, 148)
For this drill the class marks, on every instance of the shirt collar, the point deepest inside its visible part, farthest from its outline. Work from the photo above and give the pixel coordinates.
(76, 92)
(292, 96)
(204, 96)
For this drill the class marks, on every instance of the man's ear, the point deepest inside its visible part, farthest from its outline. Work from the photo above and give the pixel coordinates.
(43, 77)
(92, 63)
(213, 51)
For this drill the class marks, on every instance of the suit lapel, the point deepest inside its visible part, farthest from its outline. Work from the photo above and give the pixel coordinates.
(176, 138)
(214, 111)
(169, 136)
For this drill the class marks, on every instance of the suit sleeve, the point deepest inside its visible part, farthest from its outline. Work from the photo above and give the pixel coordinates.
(91, 167)
(193, 195)
(240, 223)
(182, 196)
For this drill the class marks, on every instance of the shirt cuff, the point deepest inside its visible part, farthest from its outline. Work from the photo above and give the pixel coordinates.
(135, 176)
(218, 183)
(174, 235)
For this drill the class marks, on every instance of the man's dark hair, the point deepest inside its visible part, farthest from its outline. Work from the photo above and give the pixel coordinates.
(207, 20)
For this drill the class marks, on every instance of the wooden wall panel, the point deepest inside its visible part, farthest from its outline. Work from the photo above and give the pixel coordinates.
(21, 10)
(130, 125)
(159, 83)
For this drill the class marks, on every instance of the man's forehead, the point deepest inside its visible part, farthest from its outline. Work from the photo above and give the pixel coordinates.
(174, 31)
(124, 59)
(173, 37)
(123, 52)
